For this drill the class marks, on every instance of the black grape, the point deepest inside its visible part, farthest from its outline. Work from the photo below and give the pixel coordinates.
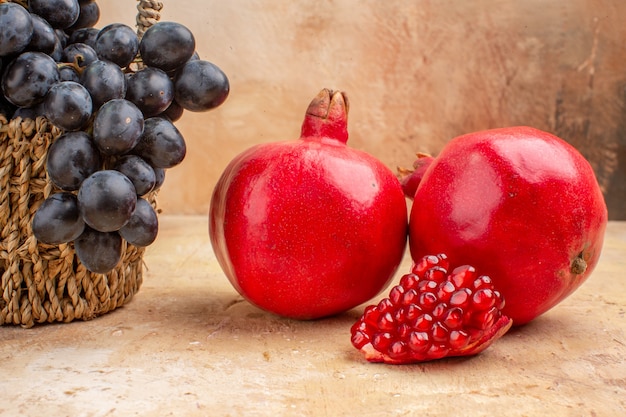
(84, 35)
(174, 111)
(68, 105)
(29, 112)
(88, 16)
(143, 226)
(68, 73)
(79, 52)
(58, 219)
(200, 86)
(60, 14)
(105, 81)
(27, 78)
(44, 37)
(99, 252)
(16, 28)
(151, 90)
(72, 158)
(107, 199)
(167, 45)
(117, 43)
(138, 171)
(159, 174)
(161, 143)
(117, 127)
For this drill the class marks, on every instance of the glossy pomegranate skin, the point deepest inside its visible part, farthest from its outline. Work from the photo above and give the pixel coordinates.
(308, 228)
(519, 204)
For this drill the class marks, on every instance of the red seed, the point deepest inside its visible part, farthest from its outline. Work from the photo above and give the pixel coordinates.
(460, 298)
(483, 299)
(419, 341)
(423, 322)
(462, 276)
(410, 297)
(453, 319)
(396, 293)
(427, 301)
(382, 341)
(458, 339)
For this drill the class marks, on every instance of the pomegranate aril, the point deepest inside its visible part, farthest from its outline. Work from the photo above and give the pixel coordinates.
(403, 331)
(484, 319)
(483, 299)
(409, 281)
(385, 305)
(463, 276)
(398, 350)
(426, 285)
(359, 339)
(412, 312)
(419, 341)
(423, 322)
(424, 264)
(436, 274)
(482, 281)
(382, 341)
(460, 298)
(445, 291)
(453, 318)
(428, 301)
(371, 315)
(437, 351)
(410, 297)
(386, 322)
(396, 293)
(439, 310)
(439, 333)
(458, 339)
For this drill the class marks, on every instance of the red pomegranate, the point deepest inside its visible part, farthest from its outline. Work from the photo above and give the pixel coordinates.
(521, 205)
(309, 228)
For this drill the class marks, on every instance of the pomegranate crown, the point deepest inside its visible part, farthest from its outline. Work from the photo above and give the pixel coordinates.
(327, 117)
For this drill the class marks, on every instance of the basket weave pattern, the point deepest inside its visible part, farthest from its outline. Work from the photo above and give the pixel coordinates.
(45, 283)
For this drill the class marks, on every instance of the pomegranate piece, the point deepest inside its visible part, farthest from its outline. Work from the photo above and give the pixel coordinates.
(434, 312)
(309, 228)
(519, 204)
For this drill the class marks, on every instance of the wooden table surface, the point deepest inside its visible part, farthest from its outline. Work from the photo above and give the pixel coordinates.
(188, 345)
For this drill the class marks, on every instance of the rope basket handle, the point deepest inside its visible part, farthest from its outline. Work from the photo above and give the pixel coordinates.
(148, 13)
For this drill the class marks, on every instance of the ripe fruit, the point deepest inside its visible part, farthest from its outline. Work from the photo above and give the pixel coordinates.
(434, 312)
(309, 228)
(519, 204)
(115, 108)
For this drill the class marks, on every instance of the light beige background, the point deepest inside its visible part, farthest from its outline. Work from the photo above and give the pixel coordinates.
(417, 72)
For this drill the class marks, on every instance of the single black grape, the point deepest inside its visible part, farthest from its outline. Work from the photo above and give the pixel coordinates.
(99, 252)
(151, 90)
(105, 81)
(161, 143)
(58, 219)
(27, 78)
(29, 112)
(87, 17)
(68, 105)
(68, 73)
(143, 226)
(174, 112)
(117, 127)
(72, 157)
(60, 14)
(159, 174)
(167, 45)
(107, 199)
(16, 28)
(44, 37)
(81, 53)
(117, 43)
(200, 86)
(84, 35)
(138, 171)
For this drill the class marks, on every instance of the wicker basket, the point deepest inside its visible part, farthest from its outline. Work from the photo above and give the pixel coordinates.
(42, 283)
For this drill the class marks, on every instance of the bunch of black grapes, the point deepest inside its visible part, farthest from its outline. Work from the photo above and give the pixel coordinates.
(115, 97)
